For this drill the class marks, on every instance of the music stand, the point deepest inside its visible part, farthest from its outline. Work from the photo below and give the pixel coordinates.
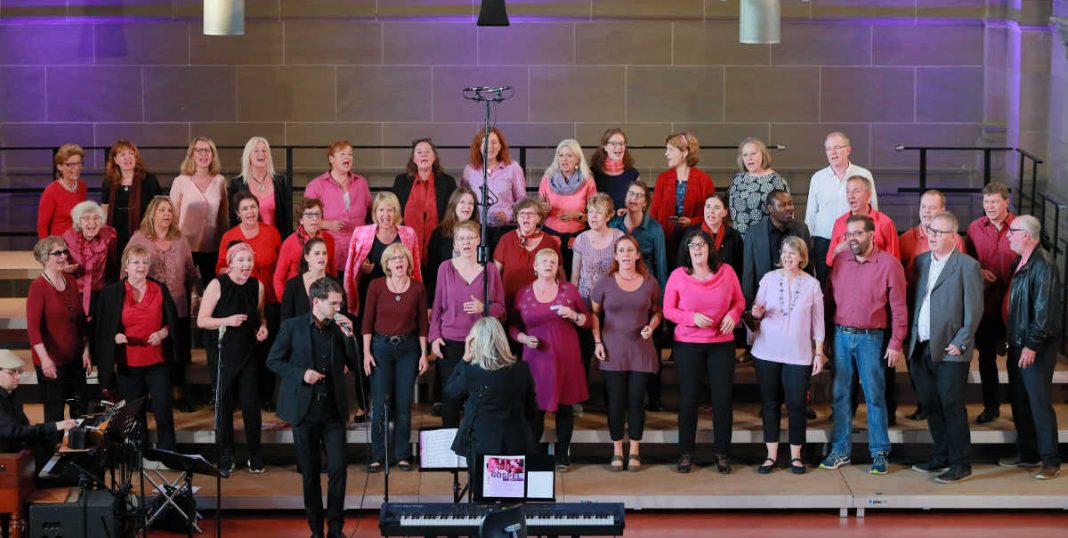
(188, 465)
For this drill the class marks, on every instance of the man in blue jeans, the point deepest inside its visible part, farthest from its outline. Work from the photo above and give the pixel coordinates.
(864, 281)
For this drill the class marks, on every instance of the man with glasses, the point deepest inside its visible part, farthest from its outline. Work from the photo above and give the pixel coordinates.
(913, 243)
(946, 303)
(1032, 312)
(988, 241)
(827, 197)
(866, 283)
(16, 432)
(311, 354)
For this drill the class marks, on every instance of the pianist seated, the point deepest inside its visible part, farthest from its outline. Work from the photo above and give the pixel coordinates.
(16, 432)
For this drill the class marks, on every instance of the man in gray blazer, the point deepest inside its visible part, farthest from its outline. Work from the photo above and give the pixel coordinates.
(763, 241)
(946, 305)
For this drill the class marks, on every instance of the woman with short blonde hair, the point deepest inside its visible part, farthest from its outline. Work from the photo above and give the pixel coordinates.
(749, 187)
(60, 196)
(200, 200)
(259, 177)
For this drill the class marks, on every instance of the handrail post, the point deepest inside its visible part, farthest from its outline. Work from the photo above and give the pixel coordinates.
(1034, 185)
(986, 166)
(523, 159)
(1019, 189)
(289, 172)
(923, 170)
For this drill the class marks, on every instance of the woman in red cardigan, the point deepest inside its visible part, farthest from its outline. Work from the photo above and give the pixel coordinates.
(681, 190)
(60, 197)
(288, 266)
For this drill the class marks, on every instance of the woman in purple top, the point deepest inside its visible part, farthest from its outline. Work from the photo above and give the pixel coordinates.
(507, 184)
(458, 305)
(703, 297)
(543, 320)
(787, 317)
(592, 258)
(346, 199)
(629, 298)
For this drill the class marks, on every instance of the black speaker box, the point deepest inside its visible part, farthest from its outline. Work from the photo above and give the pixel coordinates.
(92, 517)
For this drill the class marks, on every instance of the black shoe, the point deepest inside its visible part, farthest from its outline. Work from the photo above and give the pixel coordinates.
(685, 464)
(988, 415)
(335, 533)
(226, 464)
(268, 407)
(721, 464)
(435, 410)
(810, 413)
(184, 405)
(891, 419)
(797, 466)
(918, 414)
(255, 465)
(1016, 462)
(954, 474)
(932, 466)
(767, 467)
(654, 405)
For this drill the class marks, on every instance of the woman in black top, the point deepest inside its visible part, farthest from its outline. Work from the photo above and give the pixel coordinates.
(424, 170)
(462, 207)
(613, 166)
(259, 178)
(128, 189)
(295, 298)
(501, 405)
(728, 242)
(234, 302)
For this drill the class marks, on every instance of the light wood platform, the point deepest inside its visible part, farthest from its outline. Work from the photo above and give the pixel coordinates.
(18, 265)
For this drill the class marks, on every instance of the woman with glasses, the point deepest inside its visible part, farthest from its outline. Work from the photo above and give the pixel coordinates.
(132, 340)
(346, 199)
(128, 189)
(751, 185)
(291, 253)
(199, 196)
(394, 332)
(680, 190)
(514, 254)
(458, 304)
(58, 332)
(704, 299)
(94, 254)
(613, 166)
(728, 242)
(424, 190)
(171, 264)
(60, 196)
(259, 178)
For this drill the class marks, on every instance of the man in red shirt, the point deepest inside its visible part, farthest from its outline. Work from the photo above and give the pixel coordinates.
(913, 242)
(866, 283)
(858, 195)
(988, 242)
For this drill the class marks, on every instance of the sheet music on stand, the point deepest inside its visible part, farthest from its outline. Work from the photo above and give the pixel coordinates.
(435, 450)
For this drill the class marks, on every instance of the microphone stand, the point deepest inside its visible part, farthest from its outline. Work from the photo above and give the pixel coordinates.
(489, 96)
(218, 446)
(385, 440)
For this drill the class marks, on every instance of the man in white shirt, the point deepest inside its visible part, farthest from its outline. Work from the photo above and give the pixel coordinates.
(827, 198)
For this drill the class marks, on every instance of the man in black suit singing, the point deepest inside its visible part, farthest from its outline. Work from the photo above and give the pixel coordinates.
(311, 354)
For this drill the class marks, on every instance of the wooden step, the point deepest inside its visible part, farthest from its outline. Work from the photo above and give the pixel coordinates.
(18, 265)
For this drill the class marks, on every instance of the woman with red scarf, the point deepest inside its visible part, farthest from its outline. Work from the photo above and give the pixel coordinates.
(728, 240)
(311, 214)
(681, 189)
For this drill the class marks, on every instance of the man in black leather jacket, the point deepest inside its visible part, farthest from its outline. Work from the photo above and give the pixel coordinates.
(1033, 330)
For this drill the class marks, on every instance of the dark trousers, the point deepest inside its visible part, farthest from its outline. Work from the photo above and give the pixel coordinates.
(396, 366)
(155, 380)
(309, 436)
(565, 426)
(789, 381)
(565, 247)
(1032, 405)
(661, 338)
(987, 341)
(240, 382)
(205, 263)
(940, 388)
(586, 348)
(181, 362)
(693, 362)
(820, 247)
(625, 392)
(67, 387)
(453, 353)
(267, 379)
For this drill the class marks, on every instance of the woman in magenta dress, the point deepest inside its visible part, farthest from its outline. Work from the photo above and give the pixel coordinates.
(546, 313)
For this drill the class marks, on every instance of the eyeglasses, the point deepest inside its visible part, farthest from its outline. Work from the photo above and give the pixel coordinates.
(78, 164)
(13, 372)
(312, 214)
(202, 151)
(856, 235)
(616, 144)
(60, 252)
(698, 246)
(635, 194)
(937, 233)
(1016, 230)
(835, 148)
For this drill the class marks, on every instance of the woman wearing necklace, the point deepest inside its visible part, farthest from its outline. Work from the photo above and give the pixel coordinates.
(787, 317)
(613, 166)
(394, 332)
(514, 254)
(751, 185)
(629, 300)
(727, 240)
(132, 340)
(346, 199)
(704, 298)
(234, 300)
(58, 332)
(543, 322)
(314, 265)
(458, 304)
(59, 197)
(259, 178)
(94, 254)
(566, 187)
(128, 189)
(171, 264)
(199, 196)
(291, 253)
(681, 189)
